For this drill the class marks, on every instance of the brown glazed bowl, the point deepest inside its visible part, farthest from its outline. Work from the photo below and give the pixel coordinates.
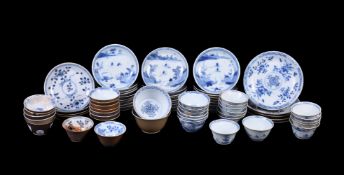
(150, 126)
(110, 132)
(77, 127)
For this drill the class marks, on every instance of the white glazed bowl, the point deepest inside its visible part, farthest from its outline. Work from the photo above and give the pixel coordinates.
(224, 131)
(193, 99)
(303, 133)
(234, 97)
(39, 103)
(102, 94)
(257, 127)
(151, 102)
(306, 110)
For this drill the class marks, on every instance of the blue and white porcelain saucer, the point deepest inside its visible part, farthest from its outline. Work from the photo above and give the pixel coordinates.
(273, 80)
(216, 69)
(69, 84)
(115, 66)
(166, 68)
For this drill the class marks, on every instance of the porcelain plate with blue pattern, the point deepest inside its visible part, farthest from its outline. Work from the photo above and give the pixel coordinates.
(166, 68)
(273, 80)
(216, 69)
(69, 85)
(115, 66)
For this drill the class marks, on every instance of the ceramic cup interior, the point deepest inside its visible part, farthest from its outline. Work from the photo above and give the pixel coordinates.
(306, 109)
(258, 123)
(152, 102)
(78, 124)
(234, 96)
(194, 99)
(39, 103)
(110, 129)
(104, 94)
(224, 127)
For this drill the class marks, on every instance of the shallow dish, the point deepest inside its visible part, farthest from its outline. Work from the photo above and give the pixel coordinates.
(166, 68)
(216, 69)
(115, 66)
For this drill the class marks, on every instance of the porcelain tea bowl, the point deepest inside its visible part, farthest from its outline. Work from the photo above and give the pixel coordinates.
(39, 104)
(110, 132)
(303, 133)
(77, 127)
(104, 96)
(151, 102)
(257, 127)
(150, 126)
(224, 131)
(190, 125)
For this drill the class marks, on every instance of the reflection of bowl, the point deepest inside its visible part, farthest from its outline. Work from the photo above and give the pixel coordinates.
(150, 126)
(224, 131)
(77, 127)
(152, 102)
(257, 127)
(109, 133)
(39, 103)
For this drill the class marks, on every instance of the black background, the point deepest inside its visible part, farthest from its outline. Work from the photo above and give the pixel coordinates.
(46, 42)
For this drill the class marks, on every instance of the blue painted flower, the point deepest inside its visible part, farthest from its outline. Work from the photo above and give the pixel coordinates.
(149, 108)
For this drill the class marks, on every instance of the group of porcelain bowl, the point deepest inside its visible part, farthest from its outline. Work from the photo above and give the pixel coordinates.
(273, 82)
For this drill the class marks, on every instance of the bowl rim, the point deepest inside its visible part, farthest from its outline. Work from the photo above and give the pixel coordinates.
(114, 122)
(224, 120)
(305, 102)
(35, 95)
(260, 117)
(194, 92)
(235, 91)
(75, 117)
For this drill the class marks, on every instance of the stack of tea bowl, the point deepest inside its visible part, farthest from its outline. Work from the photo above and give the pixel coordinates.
(104, 104)
(152, 107)
(305, 119)
(232, 105)
(39, 113)
(193, 110)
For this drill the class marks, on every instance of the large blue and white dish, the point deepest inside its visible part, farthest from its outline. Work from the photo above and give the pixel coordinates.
(216, 69)
(166, 68)
(69, 85)
(151, 103)
(115, 66)
(273, 80)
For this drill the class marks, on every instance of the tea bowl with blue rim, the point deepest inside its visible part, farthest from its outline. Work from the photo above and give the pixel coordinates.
(110, 132)
(224, 131)
(191, 125)
(257, 127)
(77, 127)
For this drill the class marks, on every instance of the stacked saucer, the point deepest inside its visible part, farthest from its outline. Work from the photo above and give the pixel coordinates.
(126, 97)
(193, 110)
(104, 104)
(277, 116)
(273, 81)
(39, 113)
(167, 69)
(174, 97)
(305, 119)
(232, 105)
(69, 85)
